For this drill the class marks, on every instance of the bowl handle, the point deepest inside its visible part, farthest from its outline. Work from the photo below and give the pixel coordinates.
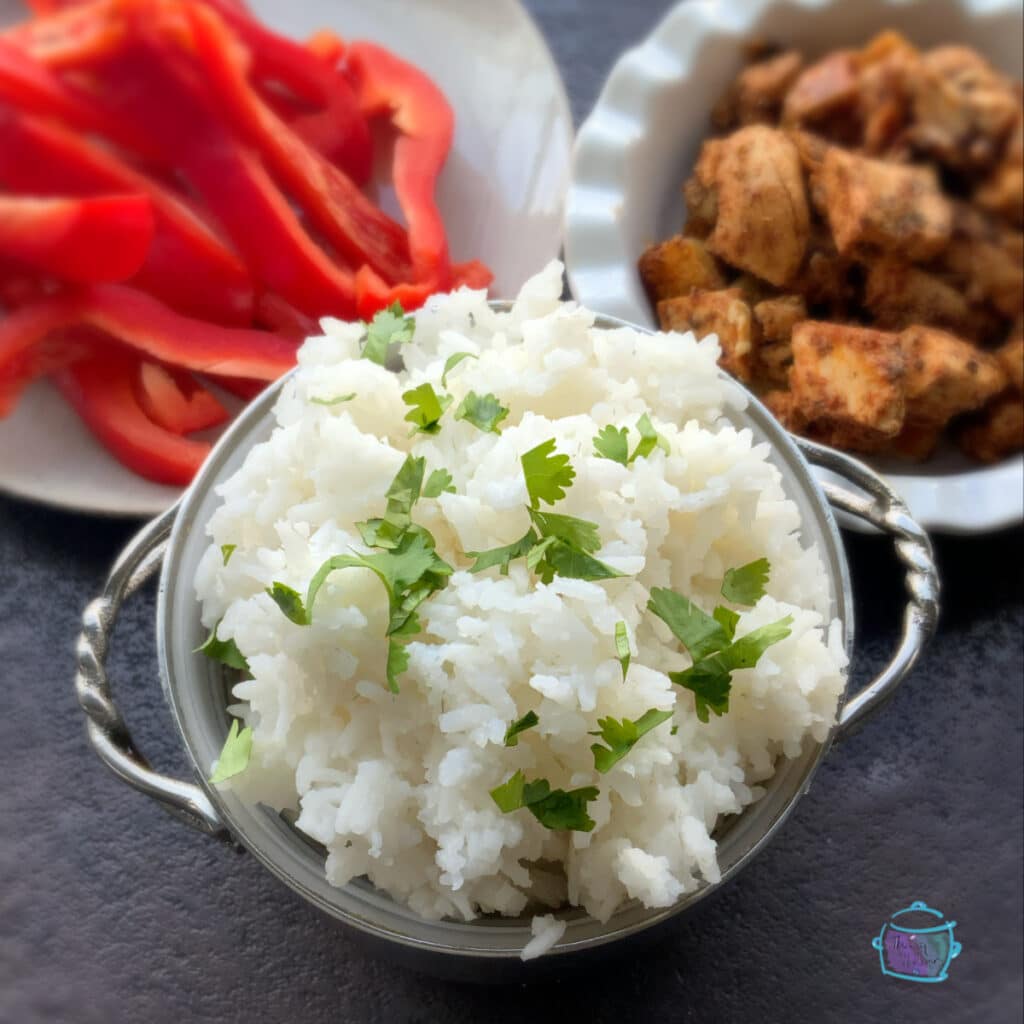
(107, 729)
(887, 511)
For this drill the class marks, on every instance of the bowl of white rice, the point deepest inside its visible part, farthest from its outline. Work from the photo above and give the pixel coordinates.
(503, 629)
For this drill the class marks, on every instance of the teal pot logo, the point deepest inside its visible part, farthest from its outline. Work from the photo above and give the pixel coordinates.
(916, 944)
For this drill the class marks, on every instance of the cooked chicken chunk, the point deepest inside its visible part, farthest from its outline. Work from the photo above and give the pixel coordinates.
(1011, 359)
(871, 204)
(701, 192)
(899, 295)
(847, 384)
(1003, 191)
(916, 442)
(678, 266)
(946, 376)
(998, 432)
(984, 261)
(886, 66)
(963, 106)
(715, 312)
(780, 405)
(762, 222)
(775, 319)
(822, 89)
(757, 94)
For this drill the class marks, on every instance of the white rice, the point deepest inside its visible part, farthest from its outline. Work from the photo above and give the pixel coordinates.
(397, 787)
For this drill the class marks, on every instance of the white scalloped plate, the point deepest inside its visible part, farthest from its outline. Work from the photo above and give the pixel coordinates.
(501, 194)
(643, 136)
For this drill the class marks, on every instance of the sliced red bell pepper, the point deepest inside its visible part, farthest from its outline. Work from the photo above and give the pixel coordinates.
(387, 85)
(358, 230)
(276, 314)
(176, 401)
(102, 391)
(68, 37)
(188, 266)
(374, 294)
(242, 387)
(150, 327)
(80, 240)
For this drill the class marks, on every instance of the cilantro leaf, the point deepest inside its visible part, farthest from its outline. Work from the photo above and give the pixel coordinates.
(613, 443)
(226, 551)
(234, 757)
(426, 408)
(401, 496)
(528, 721)
(224, 651)
(576, 532)
(622, 736)
(502, 556)
(649, 440)
(565, 560)
(699, 633)
(554, 808)
(451, 362)
(439, 482)
(290, 602)
(485, 412)
(673, 730)
(746, 585)
(710, 678)
(336, 400)
(547, 475)
(398, 662)
(622, 647)
(727, 619)
(389, 327)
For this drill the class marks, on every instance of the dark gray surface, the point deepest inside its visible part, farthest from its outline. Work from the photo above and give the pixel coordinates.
(110, 911)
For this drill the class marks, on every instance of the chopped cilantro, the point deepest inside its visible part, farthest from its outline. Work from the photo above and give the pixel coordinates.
(485, 412)
(673, 730)
(336, 400)
(234, 757)
(226, 551)
(426, 408)
(502, 556)
(451, 362)
(622, 647)
(389, 327)
(528, 721)
(613, 443)
(398, 662)
(622, 736)
(224, 651)
(746, 585)
(401, 496)
(727, 619)
(555, 809)
(578, 533)
(547, 475)
(649, 440)
(439, 482)
(699, 633)
(290, 602)
(564, 560)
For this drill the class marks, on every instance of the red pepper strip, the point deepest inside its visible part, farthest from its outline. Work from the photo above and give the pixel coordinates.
(32, 87)
(70, 37)
(102, 391)
(279, 59)
(188, 267)
(356, 228)
(373, 294)
(150, 327)
(274, 313)
(418, 109)
(81, 240)
(327, 46)
(176, 401)
(229, 178)
(241, 387)
(474, 274)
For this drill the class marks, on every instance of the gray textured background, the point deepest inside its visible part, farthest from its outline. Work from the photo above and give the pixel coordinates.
(110, 911)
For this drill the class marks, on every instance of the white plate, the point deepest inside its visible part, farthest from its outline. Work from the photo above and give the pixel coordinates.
(501, 195)
(642, 139)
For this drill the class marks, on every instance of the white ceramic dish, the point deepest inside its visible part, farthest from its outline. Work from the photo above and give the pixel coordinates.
(501, 195)
(643, 136)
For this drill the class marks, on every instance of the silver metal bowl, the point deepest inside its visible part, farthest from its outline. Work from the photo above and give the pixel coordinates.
(196, 690)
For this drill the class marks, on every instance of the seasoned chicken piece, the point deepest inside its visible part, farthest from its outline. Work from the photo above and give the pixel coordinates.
(1002, 192)
(984, 261)
(763, 223)
(825, 88)
(946, 376)
(887, 67)
(916, 442)
(825, 278)
(717, 312)
(678, 266)
(780, 405)
(963, 107)
(700, 191)
(871, 204)
(997, 432)
(775, 320)
(1011, 359)
(757, 94)
(812, 149)
(847, 385)
(899, 295)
